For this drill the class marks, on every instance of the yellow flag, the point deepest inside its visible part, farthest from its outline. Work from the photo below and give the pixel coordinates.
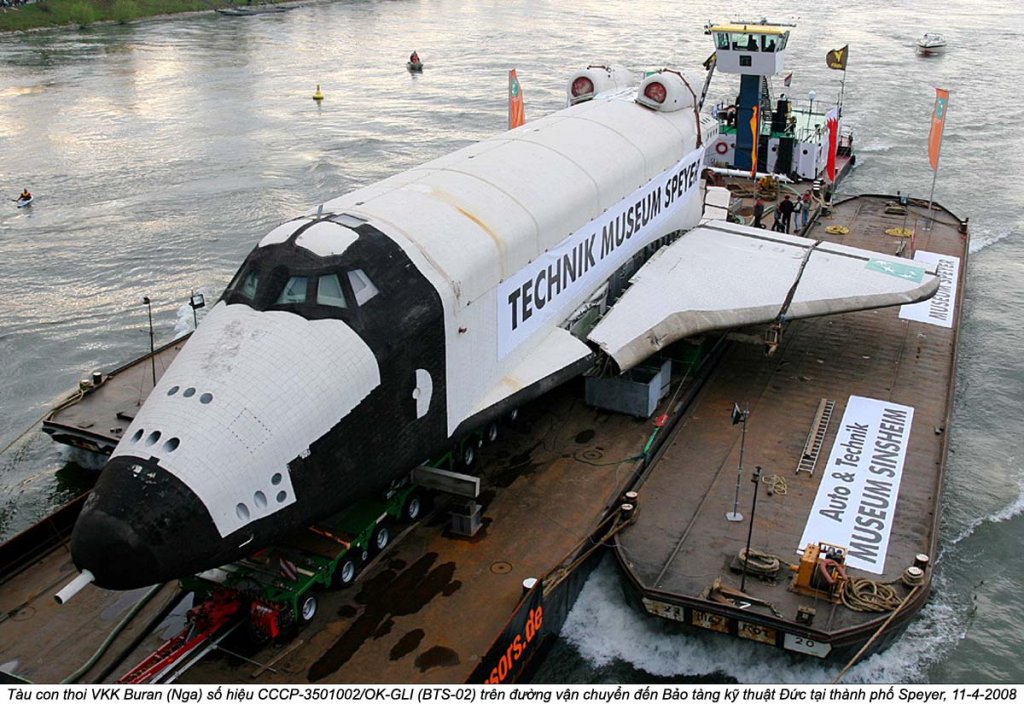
(837, 58)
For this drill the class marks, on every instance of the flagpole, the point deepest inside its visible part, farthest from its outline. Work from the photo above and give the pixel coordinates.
(931, 196)
(842, 92)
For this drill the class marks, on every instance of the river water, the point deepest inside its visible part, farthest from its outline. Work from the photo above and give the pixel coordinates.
(161, 151)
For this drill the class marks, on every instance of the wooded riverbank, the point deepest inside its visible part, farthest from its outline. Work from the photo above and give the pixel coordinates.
(81, 13)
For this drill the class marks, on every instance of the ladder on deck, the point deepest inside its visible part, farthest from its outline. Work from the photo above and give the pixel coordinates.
(815, 438)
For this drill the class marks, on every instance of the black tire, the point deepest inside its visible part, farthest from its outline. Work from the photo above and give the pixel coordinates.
(467, 455)
(513, 415)
(381, 538)
(491, 433)
(413, 507)
(345, 573)
(308, 606)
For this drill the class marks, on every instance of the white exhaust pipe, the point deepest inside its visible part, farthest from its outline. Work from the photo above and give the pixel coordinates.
(73, 587)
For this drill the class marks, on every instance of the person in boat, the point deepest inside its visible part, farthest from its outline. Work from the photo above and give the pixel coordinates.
(414, 59)
(25, 195)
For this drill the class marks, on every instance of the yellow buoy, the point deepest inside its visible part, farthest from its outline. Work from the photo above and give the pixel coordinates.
(318, 96)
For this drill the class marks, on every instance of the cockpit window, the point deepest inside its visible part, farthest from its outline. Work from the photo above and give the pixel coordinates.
(362, 288)
(249, 283)
(329, 293)
(293, 292)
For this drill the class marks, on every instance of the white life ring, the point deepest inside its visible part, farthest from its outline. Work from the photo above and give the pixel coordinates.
(722, 148)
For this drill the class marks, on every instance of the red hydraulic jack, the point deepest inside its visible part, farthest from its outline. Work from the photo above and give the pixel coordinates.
(203, 622)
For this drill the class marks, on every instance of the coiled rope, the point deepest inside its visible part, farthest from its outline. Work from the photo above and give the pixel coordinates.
(776, 484)
(861, 594)
(760, 562)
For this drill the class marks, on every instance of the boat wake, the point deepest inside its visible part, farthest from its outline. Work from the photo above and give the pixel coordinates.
(983, 237)
(605, 631)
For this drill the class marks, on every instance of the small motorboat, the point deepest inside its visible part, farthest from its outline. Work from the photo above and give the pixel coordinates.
(931, 43)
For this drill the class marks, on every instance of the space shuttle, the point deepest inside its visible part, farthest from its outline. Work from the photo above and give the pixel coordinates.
(369, 335)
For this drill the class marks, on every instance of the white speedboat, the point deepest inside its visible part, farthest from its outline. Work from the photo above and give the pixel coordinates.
(931, 43)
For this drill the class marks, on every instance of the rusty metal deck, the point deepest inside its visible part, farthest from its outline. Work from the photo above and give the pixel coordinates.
(682, 542)
(94, 418)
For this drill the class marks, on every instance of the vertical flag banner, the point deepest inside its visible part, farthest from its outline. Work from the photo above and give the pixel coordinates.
(832, 121)
(756, 134)
(938, 122)
(837, 58)
(516, 112)
(788, 79)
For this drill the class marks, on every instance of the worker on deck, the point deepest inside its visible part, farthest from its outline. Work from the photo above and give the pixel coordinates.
(758, 212)
(25, 195)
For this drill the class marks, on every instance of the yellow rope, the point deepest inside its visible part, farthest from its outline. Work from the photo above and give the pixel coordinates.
(860, 594)
(899, 232)
(776, 484)
(837, 230)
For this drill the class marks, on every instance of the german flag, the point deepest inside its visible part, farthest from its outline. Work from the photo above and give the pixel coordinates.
(837, 58)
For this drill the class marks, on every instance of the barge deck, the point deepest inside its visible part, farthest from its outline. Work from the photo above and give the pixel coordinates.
(681, 559)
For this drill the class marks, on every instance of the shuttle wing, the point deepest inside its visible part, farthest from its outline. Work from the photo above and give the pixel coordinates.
(723, 275)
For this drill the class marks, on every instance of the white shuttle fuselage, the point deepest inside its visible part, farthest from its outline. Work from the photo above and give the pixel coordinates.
(359, 341)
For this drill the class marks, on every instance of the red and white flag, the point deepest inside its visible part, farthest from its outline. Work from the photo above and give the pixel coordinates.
(832, 121)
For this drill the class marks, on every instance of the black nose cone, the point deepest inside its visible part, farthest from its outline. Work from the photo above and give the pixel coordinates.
(142, 526)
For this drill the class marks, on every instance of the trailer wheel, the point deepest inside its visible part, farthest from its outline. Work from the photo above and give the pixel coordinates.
(381, 538)
(307, 609)
(344, 574)
(491, 434)
(468, 454)
(413, 507)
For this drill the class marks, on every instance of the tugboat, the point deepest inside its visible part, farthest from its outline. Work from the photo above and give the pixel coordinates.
(793, 137)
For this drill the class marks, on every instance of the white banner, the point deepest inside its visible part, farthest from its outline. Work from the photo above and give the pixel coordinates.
(582, 261)
(937, 310)
(856, 499)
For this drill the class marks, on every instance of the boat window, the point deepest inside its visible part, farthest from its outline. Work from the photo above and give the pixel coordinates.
(721, 40)
(362, 288)
(329, 293)
(294, 291)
